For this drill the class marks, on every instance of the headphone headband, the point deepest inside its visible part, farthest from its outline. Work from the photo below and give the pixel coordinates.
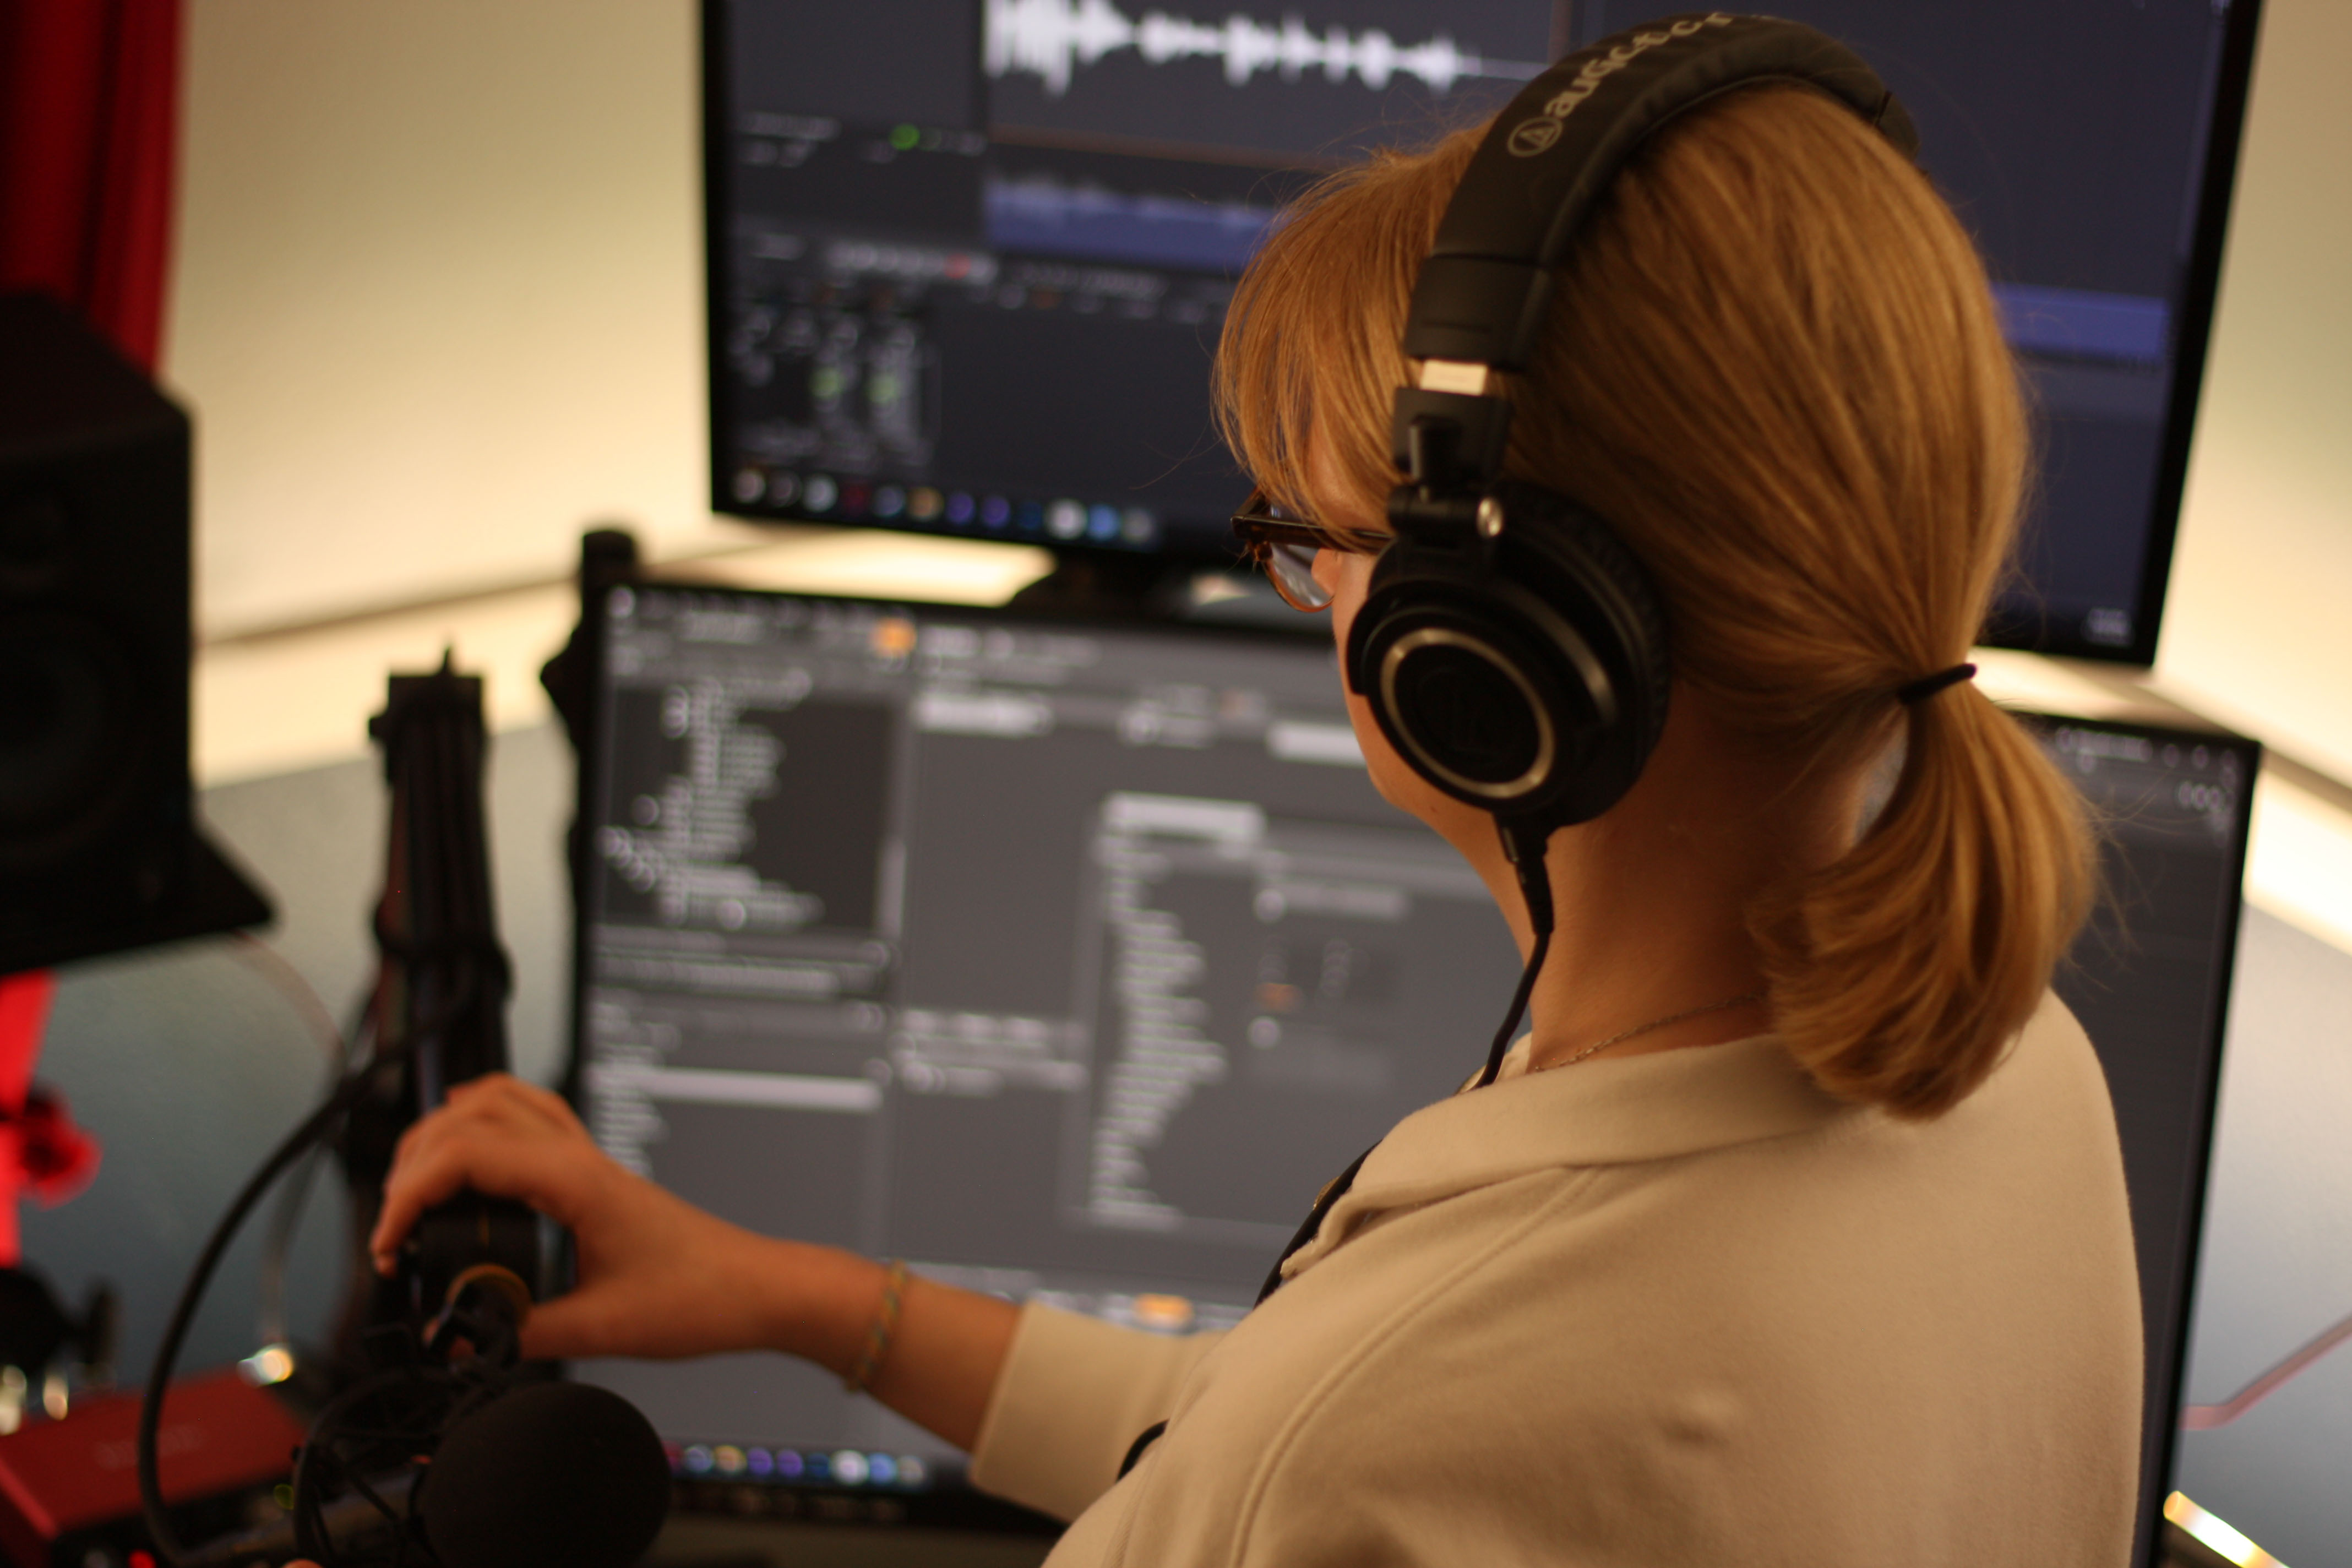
(1482, 293)
(1508, 644)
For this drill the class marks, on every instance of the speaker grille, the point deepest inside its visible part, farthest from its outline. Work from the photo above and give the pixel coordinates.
(72, 742)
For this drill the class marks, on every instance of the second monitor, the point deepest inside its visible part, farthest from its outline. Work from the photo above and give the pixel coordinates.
(1068, 960)
(969, 259)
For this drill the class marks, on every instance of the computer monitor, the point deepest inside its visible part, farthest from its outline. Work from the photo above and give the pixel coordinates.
(968, 258)
(2149, 978)
(992, 944)
(1068, 960)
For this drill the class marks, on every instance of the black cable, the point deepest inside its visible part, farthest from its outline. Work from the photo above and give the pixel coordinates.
(290, 983)
(303, 1139)
(277, 1243)
(1525, 848)
(151, 1410)
(431, 1396)
(336, 1042)
(395, 1414)
(1503, 1036)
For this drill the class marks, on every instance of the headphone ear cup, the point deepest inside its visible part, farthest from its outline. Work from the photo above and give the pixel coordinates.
(1612, 596)
(1524, 674)
(1473, 708)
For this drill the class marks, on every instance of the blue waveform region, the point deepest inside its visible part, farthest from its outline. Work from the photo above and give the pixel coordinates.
(2081, 323)
(1053, 39)
(1044, 215)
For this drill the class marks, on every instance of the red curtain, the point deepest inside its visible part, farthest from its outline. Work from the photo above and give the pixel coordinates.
(89, 124)
(90, 111)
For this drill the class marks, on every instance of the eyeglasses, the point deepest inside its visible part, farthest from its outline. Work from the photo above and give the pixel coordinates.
(1285, 547)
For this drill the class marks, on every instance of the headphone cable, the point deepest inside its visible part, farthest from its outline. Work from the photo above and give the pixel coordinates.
(1523, 843)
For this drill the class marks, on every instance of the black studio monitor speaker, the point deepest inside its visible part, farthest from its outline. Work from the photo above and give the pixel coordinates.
(99, 846)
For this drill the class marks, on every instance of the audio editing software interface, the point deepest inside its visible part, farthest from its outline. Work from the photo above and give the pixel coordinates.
(1062, 962)
(970, 258)
(1068, 962)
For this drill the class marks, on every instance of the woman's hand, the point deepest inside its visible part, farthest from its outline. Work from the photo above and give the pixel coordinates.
(657, 1277)
(660, 1278)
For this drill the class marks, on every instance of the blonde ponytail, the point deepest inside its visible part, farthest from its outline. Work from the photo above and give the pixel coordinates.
(1900, 972)
(1773, 363)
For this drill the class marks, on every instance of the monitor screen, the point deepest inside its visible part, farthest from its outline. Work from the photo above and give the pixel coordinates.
(2149, 978)
(987, 942)
(1067, 961)
(968, 258)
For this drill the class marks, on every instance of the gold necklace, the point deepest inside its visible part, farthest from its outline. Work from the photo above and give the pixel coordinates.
(1725, 1005)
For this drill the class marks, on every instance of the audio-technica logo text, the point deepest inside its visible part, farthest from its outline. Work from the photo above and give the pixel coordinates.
(1535, 134)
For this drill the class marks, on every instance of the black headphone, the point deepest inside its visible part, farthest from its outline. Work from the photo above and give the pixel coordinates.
(1511, 648)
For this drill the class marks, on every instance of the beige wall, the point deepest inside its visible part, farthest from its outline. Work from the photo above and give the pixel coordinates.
(2259, 628)
(438, 303)
(437, 294)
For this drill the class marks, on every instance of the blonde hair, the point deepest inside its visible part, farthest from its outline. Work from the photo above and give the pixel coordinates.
(1773, 365)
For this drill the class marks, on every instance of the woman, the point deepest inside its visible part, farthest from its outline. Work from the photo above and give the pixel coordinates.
(1795, 1229)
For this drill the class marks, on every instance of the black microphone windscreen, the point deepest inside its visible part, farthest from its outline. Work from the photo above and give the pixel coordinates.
(551, 1475)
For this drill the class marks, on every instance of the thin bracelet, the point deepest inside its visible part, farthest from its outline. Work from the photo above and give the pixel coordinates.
(878, 1337)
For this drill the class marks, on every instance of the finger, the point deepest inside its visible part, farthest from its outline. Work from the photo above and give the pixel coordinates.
(496, 1096)
(496, 1133)
(446, 1157)
(428, 1171)
(558, 1175)
(569, 1327)
(551, 1105)
(492, 1112)
(503, 1097)
(443, 1121)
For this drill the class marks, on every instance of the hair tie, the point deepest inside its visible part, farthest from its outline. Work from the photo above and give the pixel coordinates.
(1926, 685)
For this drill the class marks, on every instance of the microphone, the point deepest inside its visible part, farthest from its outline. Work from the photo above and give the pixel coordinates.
(450, 1454)
(565, 1474)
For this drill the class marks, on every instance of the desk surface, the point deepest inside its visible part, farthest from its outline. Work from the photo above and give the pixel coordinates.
(702, 1541)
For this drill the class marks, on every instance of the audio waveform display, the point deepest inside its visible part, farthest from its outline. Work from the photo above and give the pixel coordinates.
(1051, 39)
(1038, 213)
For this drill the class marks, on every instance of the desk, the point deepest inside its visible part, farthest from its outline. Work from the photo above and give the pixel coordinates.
(703, 1540)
